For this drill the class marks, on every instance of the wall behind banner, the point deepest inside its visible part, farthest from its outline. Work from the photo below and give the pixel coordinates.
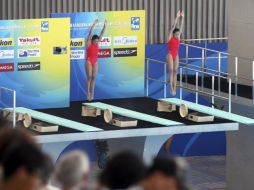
(34, 61)
(121, 57)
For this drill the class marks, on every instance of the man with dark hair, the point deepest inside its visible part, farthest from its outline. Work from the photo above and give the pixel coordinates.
(10, 137)
(122, 171)
(25, 167)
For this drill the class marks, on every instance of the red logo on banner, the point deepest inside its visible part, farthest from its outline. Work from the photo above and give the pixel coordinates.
(30, 39)
(105, 40)
(103, 53)
(7, 67)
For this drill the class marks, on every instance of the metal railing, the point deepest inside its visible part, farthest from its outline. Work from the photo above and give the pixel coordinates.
(221, 55)
(13, 101)
(203, 70)
(196, 90)
(203, 58)
(205, 39)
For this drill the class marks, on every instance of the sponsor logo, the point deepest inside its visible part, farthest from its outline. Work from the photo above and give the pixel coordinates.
(135, 23)
(6, 42)
(105, 41)
(6, 54)
(77, 42)
(29, 53)
(29, 41)
(7, 67)
(44, 26)
(59, 50)
(104, 53)
(125, 40)
(125, 52)
(29, 66)
(77, 54)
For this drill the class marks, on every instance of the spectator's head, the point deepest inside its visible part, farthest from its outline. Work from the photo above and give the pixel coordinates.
(162, 175)
(122, 171)
(24, 167)
(10, 137)
(72, 170)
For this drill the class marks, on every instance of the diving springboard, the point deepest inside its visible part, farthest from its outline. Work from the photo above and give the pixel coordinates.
(132, 114)
(56, 120)
(211, 111)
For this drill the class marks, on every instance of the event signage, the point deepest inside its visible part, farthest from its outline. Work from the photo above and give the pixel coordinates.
(105, 41)
(22, 53)
(35, 62)
(125, 40)
(125, 52)
(29, 66)
(6, 54)
(121, 53)
(77, 54)
(103, 53)
(6, 42)
(6, 67)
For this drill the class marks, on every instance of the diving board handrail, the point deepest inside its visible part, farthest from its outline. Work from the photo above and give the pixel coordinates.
(13, 102)
(204, 39)
(195, 70)
(209, 69)
(204, 59)
(196, 85)
(190, 89)
(234, 76)
(199, 58)
(211, 50)
(187, 67)
(198, 67)
(203, 48)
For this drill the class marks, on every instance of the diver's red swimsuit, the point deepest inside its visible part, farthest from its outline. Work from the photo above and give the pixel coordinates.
(173, 46)
(92, 53)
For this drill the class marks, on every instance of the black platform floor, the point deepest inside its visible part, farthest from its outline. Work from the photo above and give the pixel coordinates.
(142, 104)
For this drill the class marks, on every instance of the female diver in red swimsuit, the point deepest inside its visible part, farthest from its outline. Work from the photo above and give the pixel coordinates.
(91, 65)
(173, 61)
(173, 46)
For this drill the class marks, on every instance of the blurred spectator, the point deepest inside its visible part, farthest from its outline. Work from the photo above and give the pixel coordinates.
(72, 170)
(25, 167)
(163, 174)
(122, 171)
(182, 173)
(9, 137)
(48, 170)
